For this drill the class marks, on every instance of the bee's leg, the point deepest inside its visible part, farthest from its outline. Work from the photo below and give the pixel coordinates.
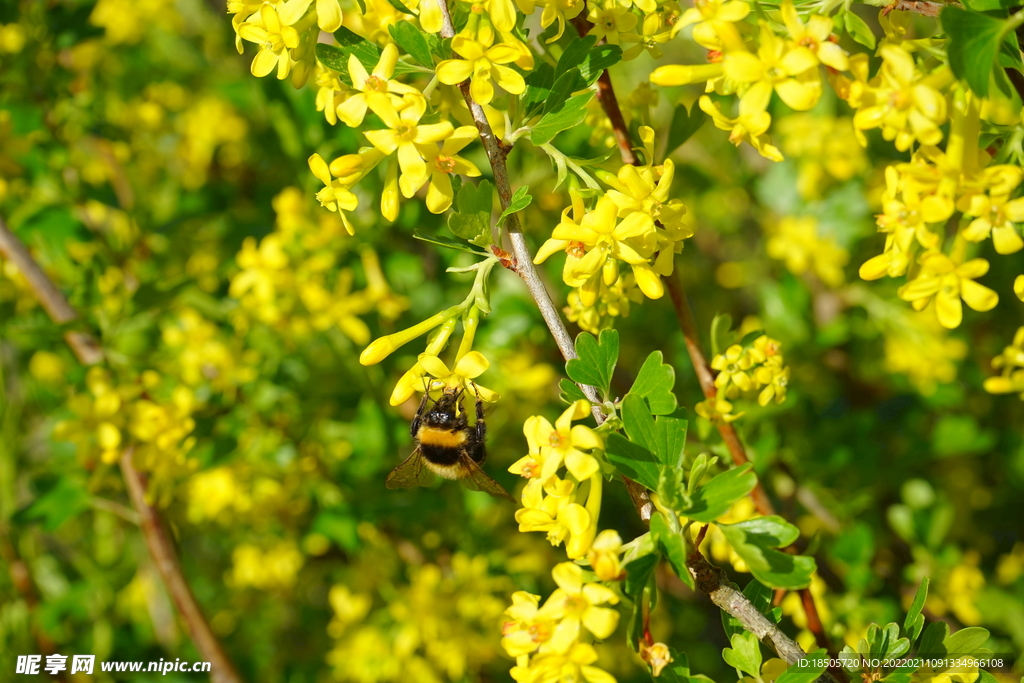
(415, 426)
(481, 430)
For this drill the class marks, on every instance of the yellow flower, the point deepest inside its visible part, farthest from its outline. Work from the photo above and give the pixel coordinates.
(328, 13)
(554, 10)
(330, 93)
(466, 369)
(604, 241)
(657, 656)
(906, 106)
(777, 380)
(947, 282)
(562, 443)
(749, 127)
(274, 38)
(406, 136)
(574, 665)
(786, 68)
(796, 241)
(576, 604)
(732, 366)
(1018, 287)
(610, 21)
(604, 556)
(555, 513)
(525, 631)
(815, 37)
(376, 91)
(446, 162)
(712, 18)
(483, 65)
(717, 410)
(995, 215)
(334, 195)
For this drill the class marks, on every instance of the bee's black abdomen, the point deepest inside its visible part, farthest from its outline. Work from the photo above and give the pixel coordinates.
(439, 455)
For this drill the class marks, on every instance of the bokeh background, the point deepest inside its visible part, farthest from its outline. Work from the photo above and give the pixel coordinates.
(166, 190)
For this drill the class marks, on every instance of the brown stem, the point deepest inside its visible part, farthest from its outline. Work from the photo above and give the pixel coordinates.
(85, 348)
(166, 561)
(928, 9)
(88, 352)
(705, 376)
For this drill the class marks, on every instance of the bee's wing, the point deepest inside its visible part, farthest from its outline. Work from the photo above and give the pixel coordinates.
(478, 480)
(410, 473)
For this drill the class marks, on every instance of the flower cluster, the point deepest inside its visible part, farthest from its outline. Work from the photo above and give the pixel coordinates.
(1011, 363)
(797, 242)
(635, 222)
(757, 367)
(788, 65)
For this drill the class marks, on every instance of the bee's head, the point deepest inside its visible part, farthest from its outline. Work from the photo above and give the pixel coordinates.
(447, 406)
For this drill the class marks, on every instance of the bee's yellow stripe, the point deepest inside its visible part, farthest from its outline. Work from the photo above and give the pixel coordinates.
(430, 436)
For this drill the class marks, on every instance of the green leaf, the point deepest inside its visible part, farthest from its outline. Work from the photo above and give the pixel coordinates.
(472, 217)
(933, 638)
(755, 539)
(520, 200)
(671, 490)
(713, 499)
(989, 5)
(639, 576)
(974, 41)
(538, 87)
(859, 30)
(884, 641)
(806, 671)
(966, 641)
(914, 622)
(633, 461)
(721, 339)
(571, 391)
(745, 654)
(654, 384)
(68, 498)
(366, 52)
(574, 54)
(565, 85)
(413, 41)
(697, 470)
(678, 670)
(397, 4)
(760, 596)
(599, 59)
(685, 122)
(334, 58)
(672, 545)
(443, 241)
(596, 360)
(569, 115)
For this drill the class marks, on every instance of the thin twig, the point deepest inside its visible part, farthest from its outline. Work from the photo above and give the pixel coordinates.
(705, 376)
(88, 352)
(166, 561)
(85, 348)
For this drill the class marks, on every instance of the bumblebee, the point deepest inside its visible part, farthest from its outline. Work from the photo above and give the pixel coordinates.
(447, 446)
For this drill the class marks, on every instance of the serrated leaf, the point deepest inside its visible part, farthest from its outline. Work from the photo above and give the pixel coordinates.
(966, 641)
(914, 621)
(859, 30)
(413, 41)
(569, 115)
(744, 654)
(520, 200)
(654, 384)
(755, 541)
(472, 217)
(639, 575)
(685, 122)
(672, 545)
(596, 360)
(570, 391)
(713, 499)
(974, 41)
